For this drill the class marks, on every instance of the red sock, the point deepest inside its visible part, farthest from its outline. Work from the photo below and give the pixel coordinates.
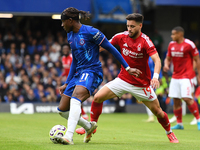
(82, 111)
(178, 114)
(164, 122)
(194, 109)
(96, 110)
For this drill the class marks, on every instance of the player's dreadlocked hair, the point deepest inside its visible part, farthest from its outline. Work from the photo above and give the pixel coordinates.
(136, 17)
(74, 13)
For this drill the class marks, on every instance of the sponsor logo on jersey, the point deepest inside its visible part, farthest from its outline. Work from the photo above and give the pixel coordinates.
(129, 53)
(125, 51)
(139, 47)
(177, 54)
(125, 45)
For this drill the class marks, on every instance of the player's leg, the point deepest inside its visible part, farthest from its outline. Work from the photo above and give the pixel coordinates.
(63, 110)
(193, 107)
(194, 84)
(154, 106)
(103, 94)
(162, 118)
(81, 86)
(149, 98)
(74, 114)
(186, 93)
(94, 81)
(150, 115)
(84, 115)
(194, 121)
(108, 91)
(183, 108)
(177, 109)
(172, 119)
(175, 93)
(96, 107)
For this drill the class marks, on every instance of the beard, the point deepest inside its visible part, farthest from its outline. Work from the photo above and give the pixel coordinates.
(134, 35)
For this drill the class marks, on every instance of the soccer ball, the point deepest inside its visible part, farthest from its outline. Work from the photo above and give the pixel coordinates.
(57, 130)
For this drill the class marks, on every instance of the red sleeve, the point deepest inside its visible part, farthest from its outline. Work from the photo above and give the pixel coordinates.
(195, 51)
(169, 50)
(114, 40)
(149, 46)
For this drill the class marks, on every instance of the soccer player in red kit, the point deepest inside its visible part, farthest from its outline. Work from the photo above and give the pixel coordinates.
(66, 59)
(66, 63)
(136, 47)
(182, 52)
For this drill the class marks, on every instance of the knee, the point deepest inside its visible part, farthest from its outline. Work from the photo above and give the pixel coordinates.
(159, 113)
(177, 102)
(188, 101)
(97, 99)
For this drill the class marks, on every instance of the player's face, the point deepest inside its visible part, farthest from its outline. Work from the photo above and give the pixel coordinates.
(176, 35)
(134, 28)
(66, 50)
(67, 25)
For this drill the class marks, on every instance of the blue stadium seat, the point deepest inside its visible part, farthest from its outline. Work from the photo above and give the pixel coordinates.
(111, 11)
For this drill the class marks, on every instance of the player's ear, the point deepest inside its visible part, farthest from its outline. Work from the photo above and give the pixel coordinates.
(70, 20)
(140, 25)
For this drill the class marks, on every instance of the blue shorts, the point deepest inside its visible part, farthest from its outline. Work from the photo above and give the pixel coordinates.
(89, 79)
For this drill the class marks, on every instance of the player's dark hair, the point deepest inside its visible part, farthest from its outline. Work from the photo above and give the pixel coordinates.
(136, 17)
(66, 44)
(74, 13)
(178, 29)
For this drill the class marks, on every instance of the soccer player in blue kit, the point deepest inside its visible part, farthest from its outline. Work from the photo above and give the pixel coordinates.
(85, 73)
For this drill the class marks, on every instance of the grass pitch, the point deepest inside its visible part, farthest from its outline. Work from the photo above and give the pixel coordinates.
(115, 132)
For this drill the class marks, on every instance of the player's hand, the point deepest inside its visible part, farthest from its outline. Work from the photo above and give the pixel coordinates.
(166, 68)
(155, 83)
(62, 89)
(135, 72)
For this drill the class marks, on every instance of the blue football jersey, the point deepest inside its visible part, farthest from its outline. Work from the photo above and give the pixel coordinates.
(85, 47)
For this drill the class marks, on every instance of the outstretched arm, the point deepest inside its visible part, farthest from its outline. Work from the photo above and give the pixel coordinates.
(108, 46)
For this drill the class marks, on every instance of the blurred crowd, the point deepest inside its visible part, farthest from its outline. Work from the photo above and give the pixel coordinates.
(31, 69)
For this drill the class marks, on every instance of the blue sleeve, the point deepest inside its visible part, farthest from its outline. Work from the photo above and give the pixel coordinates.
(72, 71)
(96, 36)
(109, 47)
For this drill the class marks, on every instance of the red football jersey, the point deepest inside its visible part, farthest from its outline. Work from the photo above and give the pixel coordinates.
(66, 63)
(136, 52)
(182, 58)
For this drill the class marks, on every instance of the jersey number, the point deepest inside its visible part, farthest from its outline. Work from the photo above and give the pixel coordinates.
(84, 76)
(148, 89)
